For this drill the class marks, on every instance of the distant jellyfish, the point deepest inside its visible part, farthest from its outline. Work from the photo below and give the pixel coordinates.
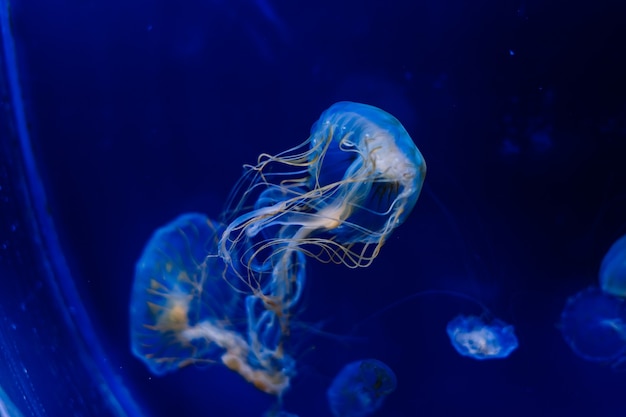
(593, 324)
(360, 388)
(613, 269)
(175, 288)
(183, 309)
(479, 339)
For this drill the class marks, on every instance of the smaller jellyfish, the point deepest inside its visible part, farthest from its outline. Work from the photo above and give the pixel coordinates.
(176, 286)
(613, 269)
(360, 388)
(184, 310)
(471, 336)
(593, 324)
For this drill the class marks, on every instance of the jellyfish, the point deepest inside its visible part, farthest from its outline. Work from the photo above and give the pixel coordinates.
(613, 269)
(360, 388)
(481, 339)
(352, 182)
(169, 296)
(209, 291)
(593, 324)
(183, 311)
(336, 197)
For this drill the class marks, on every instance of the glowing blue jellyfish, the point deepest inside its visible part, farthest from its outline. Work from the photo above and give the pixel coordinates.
(337, 198)
(169, 294)
(360, 388)
(471, 336)
(593, 324)
(182, 308)
(613, 269)
(351, 183)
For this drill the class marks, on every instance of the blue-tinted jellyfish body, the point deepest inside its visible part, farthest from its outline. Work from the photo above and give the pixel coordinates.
(176, 287)
(360, 388)
(337, 197)
(613, 269)
(473, 337)
(357, 141)
(184, 309)
(593, 324)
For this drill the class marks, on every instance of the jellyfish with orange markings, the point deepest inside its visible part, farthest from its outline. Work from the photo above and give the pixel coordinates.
(337, 197)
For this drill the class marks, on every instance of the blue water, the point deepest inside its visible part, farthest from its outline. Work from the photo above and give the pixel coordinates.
(129, 113)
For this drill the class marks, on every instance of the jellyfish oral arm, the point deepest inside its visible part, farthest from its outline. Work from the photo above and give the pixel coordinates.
(236, 357)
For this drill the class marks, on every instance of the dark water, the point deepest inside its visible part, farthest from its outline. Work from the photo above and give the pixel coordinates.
(139, 111)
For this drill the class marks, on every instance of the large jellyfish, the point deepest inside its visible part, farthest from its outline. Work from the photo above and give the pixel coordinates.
(481, 339)
(337, 198)
(593, 324)
(360, 388)
(613, 269)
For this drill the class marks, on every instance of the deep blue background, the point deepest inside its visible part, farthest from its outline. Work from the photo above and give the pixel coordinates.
(143, 110)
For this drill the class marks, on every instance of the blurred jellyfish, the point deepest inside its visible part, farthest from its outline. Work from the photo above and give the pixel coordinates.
(476, 338)
(207, 291)
(360, 388)
(182, 309)
(613, 269)
(170, 294)
(593, 324)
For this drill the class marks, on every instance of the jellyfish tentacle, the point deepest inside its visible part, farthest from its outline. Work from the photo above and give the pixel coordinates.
(209, 291)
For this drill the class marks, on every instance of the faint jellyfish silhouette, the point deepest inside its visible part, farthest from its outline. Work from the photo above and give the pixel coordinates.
(612, 274)
(593, 324)
(360, 388)
(480, 339)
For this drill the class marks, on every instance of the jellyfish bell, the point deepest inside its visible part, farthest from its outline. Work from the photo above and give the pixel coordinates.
(369, 168)
(360, 388)
(612, 274)
(593, 324)
(482, 339)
